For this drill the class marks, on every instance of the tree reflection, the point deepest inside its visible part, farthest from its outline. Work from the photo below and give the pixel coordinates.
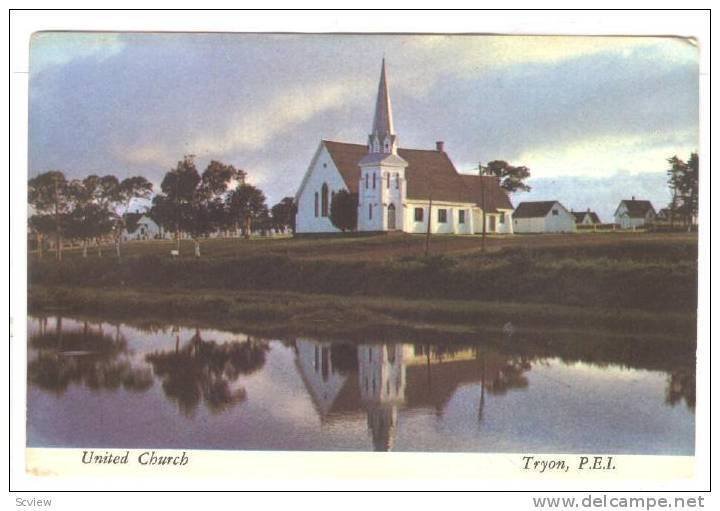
(204, 370)
(85, 356)
(681, 386)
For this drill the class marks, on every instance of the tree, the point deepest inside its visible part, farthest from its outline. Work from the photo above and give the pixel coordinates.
(48, 195)
(41, 226)
(283, 215)
(245, 205)
(344, 210)
(683, 182)
(90, 216)
(192, 203)
(512, 179)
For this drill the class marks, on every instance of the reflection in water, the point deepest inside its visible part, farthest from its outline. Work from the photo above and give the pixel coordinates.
(204, 370)
(384, 396)
(84, 356)
(393, 376)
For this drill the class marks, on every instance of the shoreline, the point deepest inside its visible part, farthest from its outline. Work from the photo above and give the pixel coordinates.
(604, 335)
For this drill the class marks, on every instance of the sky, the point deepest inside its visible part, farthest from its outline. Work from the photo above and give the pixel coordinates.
(594, 118)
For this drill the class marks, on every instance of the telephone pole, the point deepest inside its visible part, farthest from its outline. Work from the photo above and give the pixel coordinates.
(482, 205)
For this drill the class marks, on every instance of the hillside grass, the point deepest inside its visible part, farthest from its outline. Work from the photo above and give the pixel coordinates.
(614, 272)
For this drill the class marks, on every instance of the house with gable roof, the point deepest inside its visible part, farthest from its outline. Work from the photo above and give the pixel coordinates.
(543, 216)
(398, 189)
(631, 214)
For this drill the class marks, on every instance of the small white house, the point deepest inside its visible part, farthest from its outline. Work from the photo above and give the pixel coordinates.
(631, 214)
(543, 216)
(586, 217)
(139, 226)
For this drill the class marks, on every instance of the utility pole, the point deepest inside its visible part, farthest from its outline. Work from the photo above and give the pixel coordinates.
(429, 220)
(482, 205)
(58, 248)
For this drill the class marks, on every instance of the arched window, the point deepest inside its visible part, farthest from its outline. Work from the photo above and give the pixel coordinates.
(397, 181)
(324, 199)
(367, 176)
(373, 180)
(388, 179)
(317, 204)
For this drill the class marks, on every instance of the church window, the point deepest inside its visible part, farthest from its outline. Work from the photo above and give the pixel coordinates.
(367, 176)
(418, 214)
(324, 165)
(388, 179)
(317, 204)
(442, 216)
(397, 181)
(316, 362)
(373, 180)
(370, 211)
(324, 199)
(461, 216)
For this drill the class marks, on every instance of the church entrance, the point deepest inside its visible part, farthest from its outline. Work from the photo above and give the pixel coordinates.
(391, 218)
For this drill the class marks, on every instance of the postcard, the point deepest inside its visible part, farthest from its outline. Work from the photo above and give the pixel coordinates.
(370, 248)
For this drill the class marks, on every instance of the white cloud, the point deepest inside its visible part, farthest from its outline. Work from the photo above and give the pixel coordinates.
(57, 48)
(602, 156)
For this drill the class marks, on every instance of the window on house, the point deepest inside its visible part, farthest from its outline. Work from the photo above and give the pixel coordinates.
(324, 200)
(442, 216)
(555, 212)
(502, 217)
(418, 214)
(317, 204)
(461, 216)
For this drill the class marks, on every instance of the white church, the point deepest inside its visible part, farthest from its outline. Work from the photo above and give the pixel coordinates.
(398, 189)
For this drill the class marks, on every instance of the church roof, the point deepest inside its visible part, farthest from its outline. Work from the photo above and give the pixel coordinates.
(427, 171)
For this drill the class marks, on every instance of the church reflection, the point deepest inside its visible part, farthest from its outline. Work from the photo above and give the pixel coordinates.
(379, 379)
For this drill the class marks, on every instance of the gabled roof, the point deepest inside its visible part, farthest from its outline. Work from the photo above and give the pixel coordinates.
(580, 216)
(637, 208)
(428, 171)
(538, 209)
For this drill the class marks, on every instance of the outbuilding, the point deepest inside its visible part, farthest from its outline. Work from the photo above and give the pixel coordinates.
(542, 216)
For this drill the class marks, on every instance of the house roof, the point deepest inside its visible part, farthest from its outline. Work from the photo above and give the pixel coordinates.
(580, 216)
(537, 209)
(637, 208)
(428, 171)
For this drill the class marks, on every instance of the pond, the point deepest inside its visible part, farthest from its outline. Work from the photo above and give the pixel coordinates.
(105, 384)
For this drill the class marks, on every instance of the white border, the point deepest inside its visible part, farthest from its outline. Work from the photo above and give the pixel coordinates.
(637, 23)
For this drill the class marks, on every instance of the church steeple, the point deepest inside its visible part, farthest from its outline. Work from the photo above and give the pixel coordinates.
(383, 138)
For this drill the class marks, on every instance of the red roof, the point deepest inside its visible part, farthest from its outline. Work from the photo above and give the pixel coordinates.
(427, 171)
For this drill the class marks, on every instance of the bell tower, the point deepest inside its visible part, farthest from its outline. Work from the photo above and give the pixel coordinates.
(382, 187)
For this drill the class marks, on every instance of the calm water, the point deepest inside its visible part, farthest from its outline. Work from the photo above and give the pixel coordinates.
(97, 384)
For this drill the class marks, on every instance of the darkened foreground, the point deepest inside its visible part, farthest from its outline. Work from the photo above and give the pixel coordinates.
(614, 273)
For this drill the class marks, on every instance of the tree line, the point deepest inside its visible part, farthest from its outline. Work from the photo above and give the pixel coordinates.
(94, 208)
(683, 177)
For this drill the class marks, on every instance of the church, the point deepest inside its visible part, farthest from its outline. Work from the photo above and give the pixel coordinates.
(398, 189)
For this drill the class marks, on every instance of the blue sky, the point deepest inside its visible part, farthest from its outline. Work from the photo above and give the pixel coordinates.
(594, 118)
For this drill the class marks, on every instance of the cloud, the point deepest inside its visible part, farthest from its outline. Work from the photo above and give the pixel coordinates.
(57, 48)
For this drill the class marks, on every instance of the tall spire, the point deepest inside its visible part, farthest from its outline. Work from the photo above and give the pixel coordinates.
(383, 122)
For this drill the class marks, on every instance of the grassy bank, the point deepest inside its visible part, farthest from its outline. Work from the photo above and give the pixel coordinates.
(599, 271)
(635, 338)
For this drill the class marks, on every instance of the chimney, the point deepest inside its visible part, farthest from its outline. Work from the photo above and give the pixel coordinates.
(588, 210)
(633, 197)
(440, 146)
